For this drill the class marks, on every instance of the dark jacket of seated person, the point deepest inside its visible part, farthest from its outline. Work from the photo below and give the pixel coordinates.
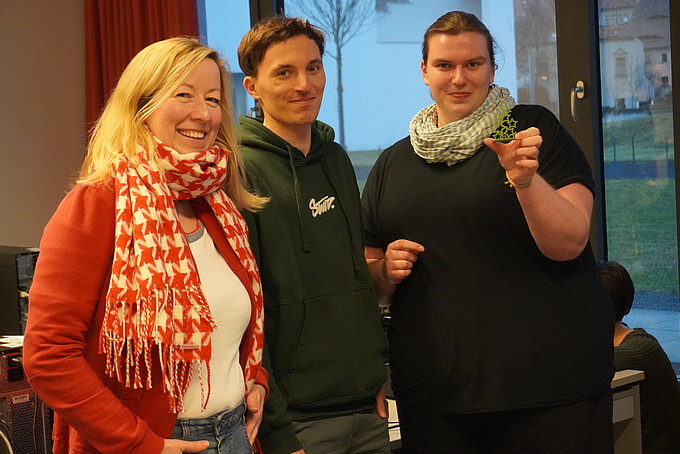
(637, 349)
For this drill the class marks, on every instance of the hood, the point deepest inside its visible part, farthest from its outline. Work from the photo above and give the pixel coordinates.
(252, 133)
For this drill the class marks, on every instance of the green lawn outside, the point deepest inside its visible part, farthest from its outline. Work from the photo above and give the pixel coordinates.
(641, 218)
(648, 137)
(641, 231)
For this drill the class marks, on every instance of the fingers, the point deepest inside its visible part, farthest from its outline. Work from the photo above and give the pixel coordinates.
(252, 427)
(530, 137)
(526, 164)
(255, 398)
(173, 446)
(254, 403)
(253, 421)
(519, 157)
(405, 245)
(403, 254)
(529, 132)
(194, 446)
(399, 259)
(381, 404)
(528, 141)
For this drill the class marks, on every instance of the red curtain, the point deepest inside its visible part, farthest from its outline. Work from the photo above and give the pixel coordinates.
(115, 30)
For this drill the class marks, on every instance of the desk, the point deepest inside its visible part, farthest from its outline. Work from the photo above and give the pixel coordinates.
(625, 414)
(393, 425)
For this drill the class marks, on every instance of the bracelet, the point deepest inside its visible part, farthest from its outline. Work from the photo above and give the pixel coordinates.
(515, 185)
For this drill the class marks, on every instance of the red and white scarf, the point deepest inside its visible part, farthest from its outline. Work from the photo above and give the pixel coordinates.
(155, 299)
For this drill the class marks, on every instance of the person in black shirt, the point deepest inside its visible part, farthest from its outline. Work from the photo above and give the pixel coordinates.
(639, 350)
(500, 335)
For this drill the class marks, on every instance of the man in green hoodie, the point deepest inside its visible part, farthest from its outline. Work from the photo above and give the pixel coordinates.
(325, 348)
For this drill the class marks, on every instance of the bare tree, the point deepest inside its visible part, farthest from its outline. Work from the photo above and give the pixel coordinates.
(341, 20)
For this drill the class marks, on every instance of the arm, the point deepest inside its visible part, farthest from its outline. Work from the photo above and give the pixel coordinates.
(61, 340)
(559, 220)
(389, 268)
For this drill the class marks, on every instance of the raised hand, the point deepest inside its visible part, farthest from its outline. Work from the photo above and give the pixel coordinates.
(519, 158)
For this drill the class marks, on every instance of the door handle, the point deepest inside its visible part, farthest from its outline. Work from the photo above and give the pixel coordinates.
(576, 92)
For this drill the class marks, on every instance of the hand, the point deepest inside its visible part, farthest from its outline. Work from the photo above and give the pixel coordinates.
(399, 259)
(519, 158)
(381, 404)
(254, 404)
(173, 446)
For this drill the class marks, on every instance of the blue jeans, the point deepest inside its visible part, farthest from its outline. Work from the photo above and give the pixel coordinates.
(226, 432)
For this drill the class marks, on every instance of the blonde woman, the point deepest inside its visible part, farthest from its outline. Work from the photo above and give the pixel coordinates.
(145, 332)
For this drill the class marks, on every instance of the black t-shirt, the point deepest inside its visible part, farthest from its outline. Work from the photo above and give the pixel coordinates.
(486, 322)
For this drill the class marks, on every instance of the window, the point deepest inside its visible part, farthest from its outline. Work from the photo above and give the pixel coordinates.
(225, 24)
(639, 166)
(621, 70)
(383, 89)
(382, 83)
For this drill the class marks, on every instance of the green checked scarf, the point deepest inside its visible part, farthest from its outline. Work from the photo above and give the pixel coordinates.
(458, 140)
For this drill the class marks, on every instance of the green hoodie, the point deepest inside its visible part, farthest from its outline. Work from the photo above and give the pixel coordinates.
(325, 347)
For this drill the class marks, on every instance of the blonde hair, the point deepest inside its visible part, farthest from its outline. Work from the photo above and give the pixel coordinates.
(149, 79)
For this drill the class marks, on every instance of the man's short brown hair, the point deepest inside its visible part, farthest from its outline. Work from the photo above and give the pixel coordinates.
(263, 35)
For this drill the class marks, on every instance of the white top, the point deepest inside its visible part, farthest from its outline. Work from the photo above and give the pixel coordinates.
(230, 307)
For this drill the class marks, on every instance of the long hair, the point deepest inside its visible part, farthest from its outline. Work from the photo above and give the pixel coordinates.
(149, 79)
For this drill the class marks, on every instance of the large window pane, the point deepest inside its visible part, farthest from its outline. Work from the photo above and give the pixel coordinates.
(382, 88)
(638, 160)
(226, 23)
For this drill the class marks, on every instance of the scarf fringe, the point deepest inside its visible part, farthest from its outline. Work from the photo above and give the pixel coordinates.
(128, 346)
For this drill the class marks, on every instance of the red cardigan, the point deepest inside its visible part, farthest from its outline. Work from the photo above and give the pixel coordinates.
(94, 413)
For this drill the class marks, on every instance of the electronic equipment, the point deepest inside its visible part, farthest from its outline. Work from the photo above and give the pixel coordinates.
(17, 265)
(25, 420)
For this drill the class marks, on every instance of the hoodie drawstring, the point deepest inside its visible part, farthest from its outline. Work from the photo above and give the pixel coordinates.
(352, 234)
(306, 248)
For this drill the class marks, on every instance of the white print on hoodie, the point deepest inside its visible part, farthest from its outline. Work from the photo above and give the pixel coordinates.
(322, 206)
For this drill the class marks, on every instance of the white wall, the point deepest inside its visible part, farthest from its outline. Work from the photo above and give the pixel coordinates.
(42, 111)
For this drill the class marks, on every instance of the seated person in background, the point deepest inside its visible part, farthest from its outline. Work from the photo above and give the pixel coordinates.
(637, 349)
